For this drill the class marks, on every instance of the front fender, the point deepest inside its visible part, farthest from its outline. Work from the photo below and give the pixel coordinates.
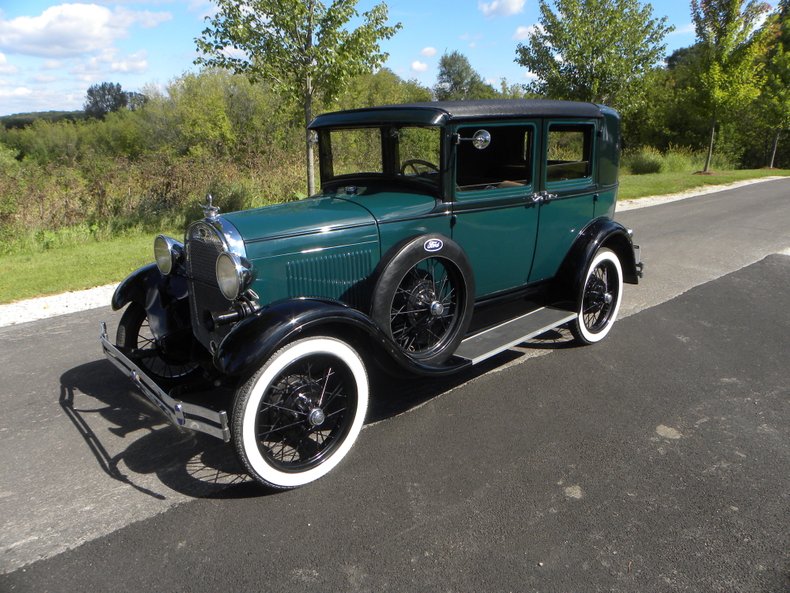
(601, 232)
(255, 339)
(163, 297)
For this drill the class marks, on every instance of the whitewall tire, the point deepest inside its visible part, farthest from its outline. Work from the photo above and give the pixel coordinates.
(298, 416)
(601, 296)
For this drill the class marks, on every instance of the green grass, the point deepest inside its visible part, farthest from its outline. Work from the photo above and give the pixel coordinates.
(78, 266)
(656, 184)
(73, 267)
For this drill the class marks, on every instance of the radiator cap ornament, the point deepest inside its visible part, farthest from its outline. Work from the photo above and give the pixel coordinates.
(210, 211)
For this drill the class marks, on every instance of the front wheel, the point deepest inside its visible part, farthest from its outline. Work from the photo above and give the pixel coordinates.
(600, 299)
(297, 417)
(144, 348)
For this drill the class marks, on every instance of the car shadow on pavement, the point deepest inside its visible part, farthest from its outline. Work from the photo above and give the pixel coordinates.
(131, 440)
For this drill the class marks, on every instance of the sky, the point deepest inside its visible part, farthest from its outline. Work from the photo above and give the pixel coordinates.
(51, 52)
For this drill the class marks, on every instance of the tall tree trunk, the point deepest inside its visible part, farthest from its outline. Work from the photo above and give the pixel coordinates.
(308, 100)
(708, 159)
(308, 117)
(773, 152)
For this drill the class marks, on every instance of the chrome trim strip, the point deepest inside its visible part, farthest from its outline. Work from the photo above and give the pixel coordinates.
(191, 416)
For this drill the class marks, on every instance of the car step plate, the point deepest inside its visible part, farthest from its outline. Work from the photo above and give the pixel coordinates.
(494, 340)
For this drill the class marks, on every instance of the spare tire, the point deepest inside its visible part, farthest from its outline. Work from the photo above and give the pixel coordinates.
(424, 297)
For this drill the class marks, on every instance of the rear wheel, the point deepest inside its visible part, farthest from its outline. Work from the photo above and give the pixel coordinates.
(298, 416)
(601, 296)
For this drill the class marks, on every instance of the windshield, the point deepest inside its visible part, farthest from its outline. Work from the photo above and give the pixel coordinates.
(391, 152)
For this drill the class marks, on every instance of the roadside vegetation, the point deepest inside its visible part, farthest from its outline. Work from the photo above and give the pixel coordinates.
(82, 194)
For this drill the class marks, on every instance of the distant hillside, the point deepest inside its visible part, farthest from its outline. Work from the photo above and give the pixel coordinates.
(20, 120)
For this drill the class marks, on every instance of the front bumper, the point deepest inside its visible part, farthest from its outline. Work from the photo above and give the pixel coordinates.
(185, 415)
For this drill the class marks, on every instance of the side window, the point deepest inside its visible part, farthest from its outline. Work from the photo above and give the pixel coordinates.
(569, 152)
(506, 162)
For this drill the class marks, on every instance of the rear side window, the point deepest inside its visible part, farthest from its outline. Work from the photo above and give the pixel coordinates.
(569, 152)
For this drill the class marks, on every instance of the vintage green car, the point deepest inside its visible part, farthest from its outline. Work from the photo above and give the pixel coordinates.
(443, 234)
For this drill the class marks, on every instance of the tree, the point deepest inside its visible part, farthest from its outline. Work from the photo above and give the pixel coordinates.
(104, 98)
(729, 46)
(594, 50)
(457, 80)
(302, 48)
(775, 95)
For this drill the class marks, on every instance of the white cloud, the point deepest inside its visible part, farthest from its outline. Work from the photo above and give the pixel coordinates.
(16, 92)
(683, 29)
(45, 78)
(124, 17)
(136, 62)
(5, 67)
(68, 30)
(418, 66)
(501, 7)
(428, 52)
(523, 33)
(52, 65)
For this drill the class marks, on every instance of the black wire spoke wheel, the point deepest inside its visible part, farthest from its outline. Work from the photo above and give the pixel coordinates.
(301, 412)
(305, 413)
(601, 296)
(424, 313)
(136, 337)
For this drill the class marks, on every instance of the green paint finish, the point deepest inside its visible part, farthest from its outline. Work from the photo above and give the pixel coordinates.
(561, 221)
(311, 215)
(605, 203)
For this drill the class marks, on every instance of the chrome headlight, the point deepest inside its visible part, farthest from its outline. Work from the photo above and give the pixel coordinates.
(232, 275)
(167, 252)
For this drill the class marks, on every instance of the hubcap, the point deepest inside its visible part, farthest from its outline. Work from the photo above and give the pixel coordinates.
(316, 417)
(437, 309)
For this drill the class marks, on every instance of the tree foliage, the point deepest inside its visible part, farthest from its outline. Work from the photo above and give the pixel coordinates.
(594, 50)
(729, 46)
(304, 49)
(775, 97)
(457, 80)
(104, 98)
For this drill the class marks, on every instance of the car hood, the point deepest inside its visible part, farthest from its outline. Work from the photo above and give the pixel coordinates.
(303, 217)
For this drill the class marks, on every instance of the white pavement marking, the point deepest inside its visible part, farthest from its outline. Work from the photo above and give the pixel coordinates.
(82, 300)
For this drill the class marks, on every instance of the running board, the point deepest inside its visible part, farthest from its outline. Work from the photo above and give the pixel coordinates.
(494, 340)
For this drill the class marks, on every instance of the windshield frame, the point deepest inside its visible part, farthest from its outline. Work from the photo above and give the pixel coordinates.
(391, 161)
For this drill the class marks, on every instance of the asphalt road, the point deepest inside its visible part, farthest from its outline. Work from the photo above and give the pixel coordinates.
(654, 461)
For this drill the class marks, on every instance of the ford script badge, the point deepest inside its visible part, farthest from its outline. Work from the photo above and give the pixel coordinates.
(433, 245)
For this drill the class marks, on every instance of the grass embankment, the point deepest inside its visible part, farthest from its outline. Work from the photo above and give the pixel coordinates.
(657, 184)
(79, 266)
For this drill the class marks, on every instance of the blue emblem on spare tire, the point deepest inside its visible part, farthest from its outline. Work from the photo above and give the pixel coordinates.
(433, 245)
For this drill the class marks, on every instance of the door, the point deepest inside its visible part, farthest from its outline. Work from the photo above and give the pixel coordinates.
(495, 217)
(567, 167)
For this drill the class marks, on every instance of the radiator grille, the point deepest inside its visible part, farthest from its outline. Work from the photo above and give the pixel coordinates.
(203, 245)
(338, 276)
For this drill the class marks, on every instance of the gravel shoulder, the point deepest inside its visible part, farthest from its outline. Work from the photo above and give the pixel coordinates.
(92, 298)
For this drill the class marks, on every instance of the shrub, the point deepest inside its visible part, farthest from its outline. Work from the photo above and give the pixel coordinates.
(643, 161)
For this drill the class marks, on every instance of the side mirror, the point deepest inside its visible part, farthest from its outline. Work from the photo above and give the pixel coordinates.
(480, 139)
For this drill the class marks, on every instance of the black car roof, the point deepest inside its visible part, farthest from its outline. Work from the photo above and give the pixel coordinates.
(440, 112)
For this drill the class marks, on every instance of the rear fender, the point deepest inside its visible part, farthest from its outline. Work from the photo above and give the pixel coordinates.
(255, 339)
(600, 233)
